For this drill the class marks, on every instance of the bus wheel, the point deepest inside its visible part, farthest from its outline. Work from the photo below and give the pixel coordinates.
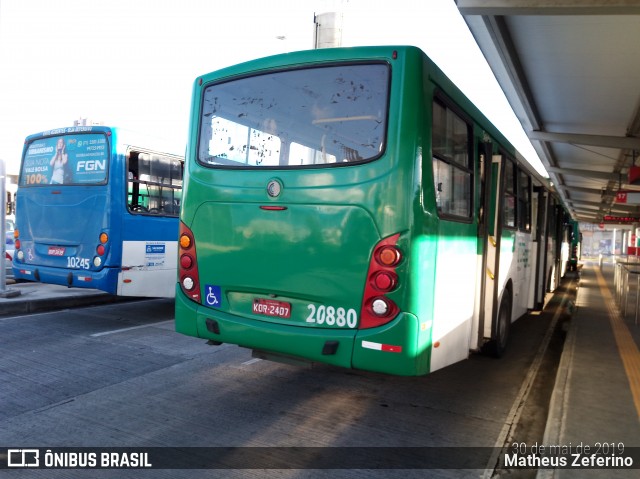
(498, 345)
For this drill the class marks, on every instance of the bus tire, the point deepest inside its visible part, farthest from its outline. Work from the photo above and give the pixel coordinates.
(498, 344)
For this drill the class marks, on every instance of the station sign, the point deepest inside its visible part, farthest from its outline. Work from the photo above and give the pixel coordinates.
(621, 219)
(628, 197)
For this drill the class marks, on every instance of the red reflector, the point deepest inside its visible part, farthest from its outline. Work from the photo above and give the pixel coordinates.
(391, 349)
(126, 281)
(273, 208)
(100, 250)
(56, 192)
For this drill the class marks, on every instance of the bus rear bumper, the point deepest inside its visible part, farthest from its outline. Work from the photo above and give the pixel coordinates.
(104, 280)
(381, 349)
(308, 343)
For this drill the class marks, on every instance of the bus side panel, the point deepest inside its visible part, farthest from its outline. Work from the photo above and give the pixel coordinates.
(455, 267)
(523, 274)
(150, 269)
(421, 300)
(516, 257)
(149, 256)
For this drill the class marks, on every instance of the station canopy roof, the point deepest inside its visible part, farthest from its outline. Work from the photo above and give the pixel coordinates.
(571, 71)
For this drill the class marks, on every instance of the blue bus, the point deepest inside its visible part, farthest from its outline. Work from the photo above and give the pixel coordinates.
(96, 209)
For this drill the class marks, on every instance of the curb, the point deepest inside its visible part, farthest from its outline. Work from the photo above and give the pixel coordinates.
(559, 402)
(54, 304)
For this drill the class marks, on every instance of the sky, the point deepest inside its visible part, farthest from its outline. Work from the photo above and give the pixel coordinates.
(132, 63)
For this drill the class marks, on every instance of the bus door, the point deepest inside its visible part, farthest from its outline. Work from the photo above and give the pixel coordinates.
(542, 255)
(489, 227)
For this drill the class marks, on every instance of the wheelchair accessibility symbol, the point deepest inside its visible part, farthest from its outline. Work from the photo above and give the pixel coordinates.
(213, 295)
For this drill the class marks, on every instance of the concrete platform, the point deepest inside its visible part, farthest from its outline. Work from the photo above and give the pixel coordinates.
(30, 297)
(596, 398)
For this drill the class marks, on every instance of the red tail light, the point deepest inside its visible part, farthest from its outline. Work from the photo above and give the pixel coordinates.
(188, 265)
(377, 309)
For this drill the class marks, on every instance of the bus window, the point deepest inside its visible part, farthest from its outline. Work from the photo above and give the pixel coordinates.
(154, 184)
(303, 155)
(323, 116)
(237, 143)
(509, 194)
(524, 201)
(451, 162)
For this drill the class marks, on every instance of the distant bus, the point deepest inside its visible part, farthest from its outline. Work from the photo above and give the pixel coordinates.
(352, 207)
(96, 210)
(575, 241)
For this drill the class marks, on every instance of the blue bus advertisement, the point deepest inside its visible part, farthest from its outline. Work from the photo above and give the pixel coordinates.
(77, 159)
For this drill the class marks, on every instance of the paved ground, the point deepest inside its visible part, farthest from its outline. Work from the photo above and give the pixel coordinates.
(118, 375)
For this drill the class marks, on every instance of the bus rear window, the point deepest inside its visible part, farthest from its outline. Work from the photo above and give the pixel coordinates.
(307, 117)
(67, 159)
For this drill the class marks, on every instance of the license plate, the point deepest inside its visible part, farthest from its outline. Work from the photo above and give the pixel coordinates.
(56, 251)
(272, 307)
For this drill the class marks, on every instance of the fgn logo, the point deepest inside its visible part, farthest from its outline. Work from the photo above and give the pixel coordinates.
(91, 165)
(23, 458)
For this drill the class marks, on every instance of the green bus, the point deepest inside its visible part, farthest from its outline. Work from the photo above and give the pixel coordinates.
(351, 206)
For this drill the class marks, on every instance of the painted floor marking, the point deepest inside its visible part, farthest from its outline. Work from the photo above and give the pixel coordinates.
(627, 347)
(122, 330)
(251, 361)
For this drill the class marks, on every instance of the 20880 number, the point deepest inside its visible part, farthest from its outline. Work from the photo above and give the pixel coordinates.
(332, 316)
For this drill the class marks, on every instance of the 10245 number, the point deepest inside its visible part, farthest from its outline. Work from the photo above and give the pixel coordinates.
(77, 263)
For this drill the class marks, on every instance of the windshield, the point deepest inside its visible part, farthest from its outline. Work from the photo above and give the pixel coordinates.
(66, 159)
(307, 117)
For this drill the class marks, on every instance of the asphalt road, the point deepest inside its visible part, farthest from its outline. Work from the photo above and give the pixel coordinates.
(119, 376)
